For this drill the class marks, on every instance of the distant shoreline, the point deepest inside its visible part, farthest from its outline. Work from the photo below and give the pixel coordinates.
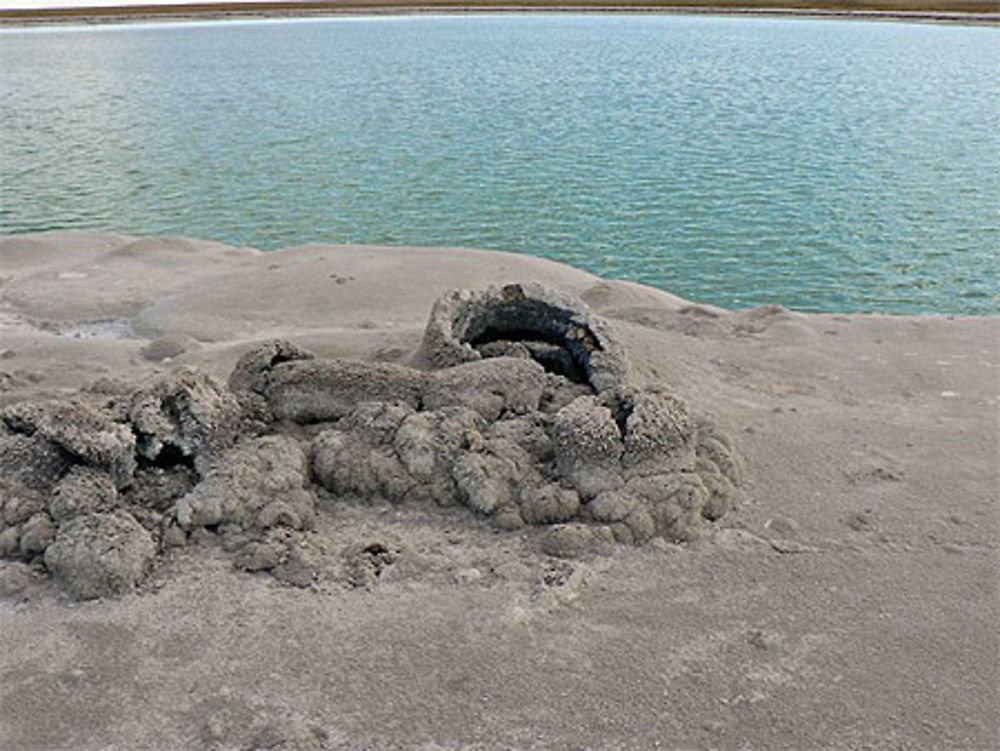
(941, 11)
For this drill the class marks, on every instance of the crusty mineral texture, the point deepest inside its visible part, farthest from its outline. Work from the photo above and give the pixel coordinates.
(87, 434)
(30, 460)
(100, 555)
(257, 485)
(181, 416)
(518, 406)
(491, 387)
(321, 390)
(84, 490)
(588, 446)
(527, 416)
(253, 369)
(526, 320)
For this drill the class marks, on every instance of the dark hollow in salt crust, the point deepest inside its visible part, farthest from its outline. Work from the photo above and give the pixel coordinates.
(525, 320)
(519, 408)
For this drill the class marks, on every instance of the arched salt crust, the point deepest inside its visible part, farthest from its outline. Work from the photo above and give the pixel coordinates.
(525, 320)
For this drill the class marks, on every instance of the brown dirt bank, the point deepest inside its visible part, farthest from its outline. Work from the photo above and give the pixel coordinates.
(850, 601)
(960, 11)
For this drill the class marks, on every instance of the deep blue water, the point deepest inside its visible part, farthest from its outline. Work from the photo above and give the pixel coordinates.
(824, 165)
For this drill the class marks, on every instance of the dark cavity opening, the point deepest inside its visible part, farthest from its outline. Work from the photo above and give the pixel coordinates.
(375, 557)
(549, 334)
(169, 457)
(549, 352)
(281, 357)
(376, 550)
(621, 409)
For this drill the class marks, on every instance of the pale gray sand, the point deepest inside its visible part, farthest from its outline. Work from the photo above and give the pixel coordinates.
(851, 601)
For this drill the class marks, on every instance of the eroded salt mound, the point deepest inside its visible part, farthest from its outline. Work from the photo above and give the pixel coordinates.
(519, 407)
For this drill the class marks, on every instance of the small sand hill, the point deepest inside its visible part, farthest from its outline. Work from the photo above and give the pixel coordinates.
(342, 497)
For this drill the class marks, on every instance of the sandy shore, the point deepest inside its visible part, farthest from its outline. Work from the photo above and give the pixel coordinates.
(974, 12)
(848, 601)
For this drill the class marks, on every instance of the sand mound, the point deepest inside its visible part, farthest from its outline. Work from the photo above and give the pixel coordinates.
(518, 407)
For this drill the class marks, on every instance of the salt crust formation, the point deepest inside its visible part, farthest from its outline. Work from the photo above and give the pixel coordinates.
(518, 406)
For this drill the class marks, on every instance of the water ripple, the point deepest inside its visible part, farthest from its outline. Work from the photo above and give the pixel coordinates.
(821, 165)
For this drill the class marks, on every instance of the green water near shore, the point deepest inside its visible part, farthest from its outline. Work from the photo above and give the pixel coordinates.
(824, 165)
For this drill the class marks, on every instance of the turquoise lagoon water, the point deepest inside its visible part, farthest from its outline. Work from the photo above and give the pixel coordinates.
(824, 165)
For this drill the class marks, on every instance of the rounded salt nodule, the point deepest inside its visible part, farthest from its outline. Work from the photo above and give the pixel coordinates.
(659, 434)
(10, 542)
(549, 504)
(20, 505)
(36, 534)
(610, 506)
(485, 483)
(588, 446)
(575, 540)
(83, 490)
(243, 480)
(100, 555)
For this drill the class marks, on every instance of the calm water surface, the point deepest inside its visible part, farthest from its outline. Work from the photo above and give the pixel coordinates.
(824, 165)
